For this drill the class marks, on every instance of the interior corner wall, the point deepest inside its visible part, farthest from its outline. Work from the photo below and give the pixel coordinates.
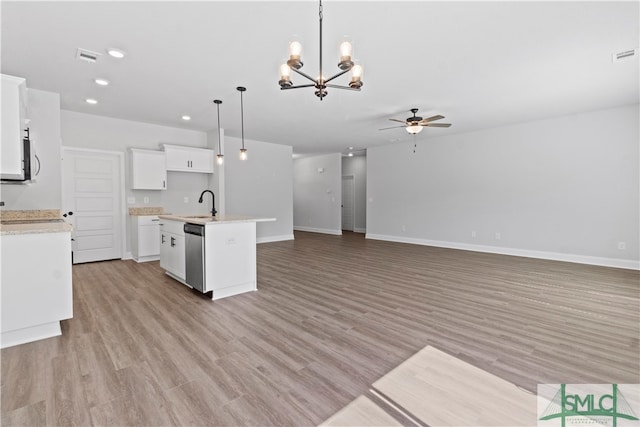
(261, 186)
(357, 167)
(44, 129)
(564, 188)
(317, 194)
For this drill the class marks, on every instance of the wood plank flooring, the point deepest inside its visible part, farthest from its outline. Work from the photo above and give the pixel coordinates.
(332, 315)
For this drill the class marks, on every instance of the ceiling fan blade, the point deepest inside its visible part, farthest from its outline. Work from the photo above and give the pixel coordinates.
(437, 125)
(393, 127)
(432, 118)
(398, 120)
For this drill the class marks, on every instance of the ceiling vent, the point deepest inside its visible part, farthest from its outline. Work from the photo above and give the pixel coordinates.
(87, 55)
(624, 55)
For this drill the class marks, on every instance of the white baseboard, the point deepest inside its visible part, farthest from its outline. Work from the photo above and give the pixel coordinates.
(554, 256)
(128, 255)
(269, 239)
(319, 230)
(359, 230)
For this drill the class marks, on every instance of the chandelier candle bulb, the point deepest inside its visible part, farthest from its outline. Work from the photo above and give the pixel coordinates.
(295, 50)
(345, 56)
(356, 77)
(285, 73)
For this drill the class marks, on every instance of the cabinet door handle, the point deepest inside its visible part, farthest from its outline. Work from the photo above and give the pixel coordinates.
(163, 184)
(162, 239)
(173, 242)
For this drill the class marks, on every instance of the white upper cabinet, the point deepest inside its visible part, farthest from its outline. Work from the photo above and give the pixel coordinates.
(148, 170)
(14, 117)
(188, 159)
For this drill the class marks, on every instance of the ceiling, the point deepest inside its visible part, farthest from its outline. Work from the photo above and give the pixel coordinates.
(480, 64)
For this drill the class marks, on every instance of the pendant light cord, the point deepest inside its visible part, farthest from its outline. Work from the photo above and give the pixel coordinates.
(242, 117)
(219, 137)
(320, 77)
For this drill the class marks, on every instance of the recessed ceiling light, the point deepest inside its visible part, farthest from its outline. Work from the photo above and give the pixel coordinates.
(350, 148)
(186, 118)
(350, 154)
(102, 82)
(116, 53)
(91, 101)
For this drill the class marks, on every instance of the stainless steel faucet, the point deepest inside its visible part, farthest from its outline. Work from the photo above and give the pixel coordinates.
(213, 201)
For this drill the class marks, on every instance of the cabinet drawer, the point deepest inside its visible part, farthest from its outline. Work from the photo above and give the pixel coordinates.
(148, 220)
(170, 226)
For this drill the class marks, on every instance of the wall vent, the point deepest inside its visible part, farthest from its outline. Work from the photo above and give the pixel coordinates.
(87, 55)
(624, 55)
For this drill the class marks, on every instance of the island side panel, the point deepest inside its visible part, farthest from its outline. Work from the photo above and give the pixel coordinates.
(230, 265)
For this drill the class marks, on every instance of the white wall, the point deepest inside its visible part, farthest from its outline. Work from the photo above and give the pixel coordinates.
(105, 133)
(261, 186)
(45, 193)
(563, 188)
(317, 196)
(357, 167)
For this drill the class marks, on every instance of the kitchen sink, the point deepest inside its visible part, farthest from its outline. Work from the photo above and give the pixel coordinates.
(199, 216)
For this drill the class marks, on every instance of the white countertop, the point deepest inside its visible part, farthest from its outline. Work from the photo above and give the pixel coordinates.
(218, 219)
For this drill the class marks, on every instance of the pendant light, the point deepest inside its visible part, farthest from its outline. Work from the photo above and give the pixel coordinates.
(243, 151)
(219, 156)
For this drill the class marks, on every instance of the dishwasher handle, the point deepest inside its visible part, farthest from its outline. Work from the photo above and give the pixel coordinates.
(196, 229)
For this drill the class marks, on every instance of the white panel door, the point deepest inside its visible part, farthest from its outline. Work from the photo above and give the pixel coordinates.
(348, 203)
(91, 201)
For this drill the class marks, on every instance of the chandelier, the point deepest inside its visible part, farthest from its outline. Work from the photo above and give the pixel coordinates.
(320, 84)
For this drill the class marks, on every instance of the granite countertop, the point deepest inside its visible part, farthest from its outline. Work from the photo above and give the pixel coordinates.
(146, 210)
(219, 219)
(32, 221)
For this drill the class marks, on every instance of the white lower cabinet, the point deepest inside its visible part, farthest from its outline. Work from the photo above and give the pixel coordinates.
(172, 251)
(145, 243)
(36, 292)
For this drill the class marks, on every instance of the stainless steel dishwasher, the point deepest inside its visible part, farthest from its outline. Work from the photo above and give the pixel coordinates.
(194, 256)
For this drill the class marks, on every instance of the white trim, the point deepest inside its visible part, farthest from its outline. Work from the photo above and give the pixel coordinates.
(122, 188)
(554, 256)
(319, 230)
(128, 255)
(359, 230)
(269, 239)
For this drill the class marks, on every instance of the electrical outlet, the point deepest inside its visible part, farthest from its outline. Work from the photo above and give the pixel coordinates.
(622, 246)
(186, 200)
(473, 234)
(146, 200)
(498, 236)
(404, 228)
(131, 200)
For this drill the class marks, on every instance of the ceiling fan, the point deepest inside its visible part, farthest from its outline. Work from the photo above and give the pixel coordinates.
(415, 124)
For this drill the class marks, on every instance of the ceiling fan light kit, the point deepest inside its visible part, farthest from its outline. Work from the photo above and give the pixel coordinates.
(414, 124)
(320, 84)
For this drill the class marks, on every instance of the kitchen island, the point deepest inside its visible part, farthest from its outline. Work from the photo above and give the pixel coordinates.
(216, 255)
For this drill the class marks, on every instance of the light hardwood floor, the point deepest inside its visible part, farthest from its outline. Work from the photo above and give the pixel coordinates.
(332, 316)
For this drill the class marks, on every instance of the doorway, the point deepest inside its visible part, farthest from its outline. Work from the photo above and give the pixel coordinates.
(92, 202)
(348, 203)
